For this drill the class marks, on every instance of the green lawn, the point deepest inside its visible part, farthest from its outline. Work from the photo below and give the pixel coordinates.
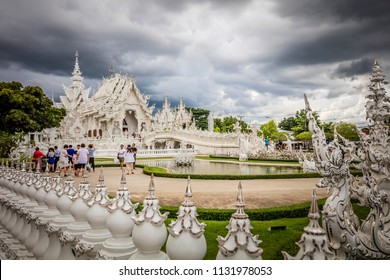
(273, 242)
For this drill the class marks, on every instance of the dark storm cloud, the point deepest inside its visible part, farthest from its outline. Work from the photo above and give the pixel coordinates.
(321, 10)
(354, 68)
(45, 39)
(222, 55)
(360, 28)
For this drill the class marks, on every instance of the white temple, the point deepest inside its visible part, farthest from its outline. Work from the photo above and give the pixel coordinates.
(118, 113)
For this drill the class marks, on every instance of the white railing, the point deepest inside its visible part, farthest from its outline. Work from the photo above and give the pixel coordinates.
(154, 153)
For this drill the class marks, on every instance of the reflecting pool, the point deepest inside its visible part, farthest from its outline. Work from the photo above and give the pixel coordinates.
(218, 167)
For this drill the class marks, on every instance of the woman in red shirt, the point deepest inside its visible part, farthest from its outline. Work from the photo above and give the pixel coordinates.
(37, 156)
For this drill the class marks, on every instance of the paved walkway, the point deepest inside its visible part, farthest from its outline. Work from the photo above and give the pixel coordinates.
(212, 193)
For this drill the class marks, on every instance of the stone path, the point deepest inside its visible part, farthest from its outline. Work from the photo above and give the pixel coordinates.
(212, 193)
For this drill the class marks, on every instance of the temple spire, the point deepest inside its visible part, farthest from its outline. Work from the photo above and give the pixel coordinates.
(76, 74)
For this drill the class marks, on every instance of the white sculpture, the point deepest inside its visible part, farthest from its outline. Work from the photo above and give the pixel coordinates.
(92, 240)
(73, 232)
(150, 232)
(348, 238)
(239, 243)
(120, 224)
(314, 243)
(186, 240)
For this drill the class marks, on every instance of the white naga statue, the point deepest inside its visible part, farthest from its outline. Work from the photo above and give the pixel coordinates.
(348, 237)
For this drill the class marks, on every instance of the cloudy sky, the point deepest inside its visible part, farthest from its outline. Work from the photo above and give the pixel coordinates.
(249, 58)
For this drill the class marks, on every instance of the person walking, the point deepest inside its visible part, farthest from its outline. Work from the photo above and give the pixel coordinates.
(37, 158)
(121, 155)
(51, 159)
(57, 153)
(91, 151)
(82, 158)
(63, 163)
(129, 160)
(70, 152)
(135, 153)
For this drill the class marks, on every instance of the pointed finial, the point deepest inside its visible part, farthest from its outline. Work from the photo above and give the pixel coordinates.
(111, 71)
(314, 212)
(101, 178)
(77, 54)
(84, 180)
(188, 196)
(123, 181)
(306, 102)
(152, 188)
(240, 205)
(23, 166)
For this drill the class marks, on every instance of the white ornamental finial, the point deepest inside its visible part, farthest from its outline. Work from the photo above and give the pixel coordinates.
(186, 230)
(188, 201)
(240, 205)
(314, 243)
(122, 199)
(101, 192)
(239, 243)
(151, 189)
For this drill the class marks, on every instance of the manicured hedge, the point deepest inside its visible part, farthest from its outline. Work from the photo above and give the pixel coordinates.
(266, 214)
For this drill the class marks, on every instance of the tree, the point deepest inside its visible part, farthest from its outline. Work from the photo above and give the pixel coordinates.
(348, 131)
(226, 125)
(23, 110)
(298, 123)
(304, 136)
(269, 130)
(200, 116)
(26, 109)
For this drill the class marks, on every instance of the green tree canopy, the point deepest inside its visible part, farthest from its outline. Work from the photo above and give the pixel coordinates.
(226, 125)
(269, 129)
(26, 109)
(303, 136)
(348, 131)
(200, 115)
(23, 110)
(298, 123)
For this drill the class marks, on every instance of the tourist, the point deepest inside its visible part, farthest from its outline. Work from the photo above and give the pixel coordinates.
(70, 152)
(51, 159)
(135, 153)
(37, 158)
(266, 142)
(82, 157)
(121, 155)
(76, 166)
(129, 160)
(56, 157)
(63, 163)
(91, 151)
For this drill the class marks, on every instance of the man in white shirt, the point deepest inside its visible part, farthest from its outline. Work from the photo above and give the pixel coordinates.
(82, 158)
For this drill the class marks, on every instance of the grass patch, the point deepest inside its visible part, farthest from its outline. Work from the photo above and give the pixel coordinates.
(262, 214)
(273, 242)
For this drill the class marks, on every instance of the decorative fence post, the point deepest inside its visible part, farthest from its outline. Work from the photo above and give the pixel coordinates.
(314, 243)
(120, 224)
(71, 235)
(239, 243)
(186, 240)
(92, 240)
(150, 232)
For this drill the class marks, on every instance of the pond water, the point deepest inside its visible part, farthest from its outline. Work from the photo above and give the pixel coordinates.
(226, 168)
